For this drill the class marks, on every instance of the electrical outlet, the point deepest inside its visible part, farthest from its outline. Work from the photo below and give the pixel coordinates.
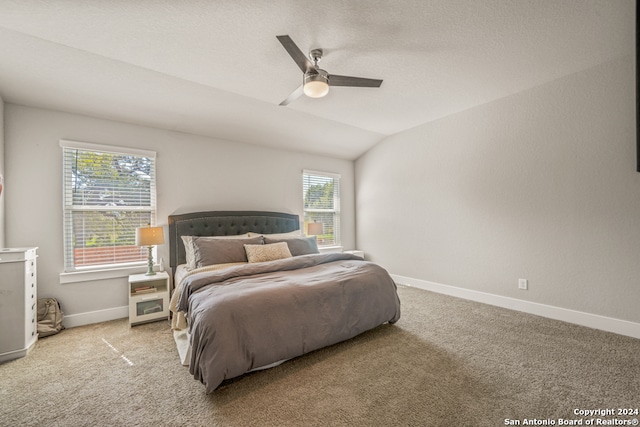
(523, 284)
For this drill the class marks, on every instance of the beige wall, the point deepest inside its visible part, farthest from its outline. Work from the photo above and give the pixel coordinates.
(193, 174)
(540, 185)
(2, 232)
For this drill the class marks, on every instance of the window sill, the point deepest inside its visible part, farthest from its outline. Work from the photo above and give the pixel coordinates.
(324, 249)
(107, 273)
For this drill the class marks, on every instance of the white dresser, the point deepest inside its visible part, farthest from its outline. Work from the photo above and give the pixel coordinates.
(18, 302)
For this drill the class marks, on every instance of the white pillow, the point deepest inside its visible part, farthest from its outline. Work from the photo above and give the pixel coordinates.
(263, 253)
(289, 235)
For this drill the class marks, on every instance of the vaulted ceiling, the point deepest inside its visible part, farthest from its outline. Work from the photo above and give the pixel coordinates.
(215, 68)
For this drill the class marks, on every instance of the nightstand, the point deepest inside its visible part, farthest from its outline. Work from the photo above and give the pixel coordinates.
(356, 253)
(148, 297)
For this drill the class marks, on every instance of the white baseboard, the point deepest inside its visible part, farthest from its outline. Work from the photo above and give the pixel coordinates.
(80, 319)
(609, 324)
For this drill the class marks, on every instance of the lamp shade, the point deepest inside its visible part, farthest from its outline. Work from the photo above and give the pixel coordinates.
(316, 89)
(316, 85)
(149, 236)
(315, 229)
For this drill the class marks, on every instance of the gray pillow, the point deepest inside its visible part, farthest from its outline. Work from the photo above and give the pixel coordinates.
(188, 246)
(299, 245)
(221, 251)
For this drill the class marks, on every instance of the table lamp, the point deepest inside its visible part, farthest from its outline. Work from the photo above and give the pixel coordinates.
(149, 236)
(315, 229)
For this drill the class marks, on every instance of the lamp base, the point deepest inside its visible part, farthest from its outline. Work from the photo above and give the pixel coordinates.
(150, 271)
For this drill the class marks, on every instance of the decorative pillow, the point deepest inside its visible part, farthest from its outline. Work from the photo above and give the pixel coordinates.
(298, 246)
(262, 253)
(189, 250)
(210, 251)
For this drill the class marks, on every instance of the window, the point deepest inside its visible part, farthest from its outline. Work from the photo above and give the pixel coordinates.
(321, 195)
(108, 192)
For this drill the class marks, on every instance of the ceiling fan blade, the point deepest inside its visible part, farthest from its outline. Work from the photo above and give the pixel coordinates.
(295, 52)
(294, 95)
(336, 80)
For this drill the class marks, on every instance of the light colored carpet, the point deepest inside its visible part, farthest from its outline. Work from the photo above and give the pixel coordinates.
(447, 362)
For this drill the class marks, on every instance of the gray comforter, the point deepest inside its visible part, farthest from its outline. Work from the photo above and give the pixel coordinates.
(253, 315)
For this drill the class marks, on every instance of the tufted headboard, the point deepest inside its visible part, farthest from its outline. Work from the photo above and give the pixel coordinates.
(224, 223)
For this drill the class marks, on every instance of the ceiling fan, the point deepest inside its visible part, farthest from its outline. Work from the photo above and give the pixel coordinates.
(316, 82)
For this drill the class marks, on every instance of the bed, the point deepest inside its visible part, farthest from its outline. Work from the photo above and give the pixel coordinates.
(251, 292)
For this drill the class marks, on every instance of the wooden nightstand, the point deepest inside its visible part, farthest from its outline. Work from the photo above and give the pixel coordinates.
(148, 297)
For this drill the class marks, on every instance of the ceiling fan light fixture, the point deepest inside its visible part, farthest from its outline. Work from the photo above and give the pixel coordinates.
(316, 85)
(316, 82)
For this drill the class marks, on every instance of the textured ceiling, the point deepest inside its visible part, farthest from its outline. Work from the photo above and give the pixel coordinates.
(215, 68)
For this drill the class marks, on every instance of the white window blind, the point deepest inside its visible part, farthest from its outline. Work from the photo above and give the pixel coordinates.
(108, 192)
(321, 195)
